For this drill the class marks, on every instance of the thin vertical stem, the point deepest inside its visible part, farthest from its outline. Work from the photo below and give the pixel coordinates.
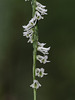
(35, 36)
(35, 41)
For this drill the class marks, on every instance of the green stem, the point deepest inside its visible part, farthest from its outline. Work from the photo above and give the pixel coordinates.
(35, 42)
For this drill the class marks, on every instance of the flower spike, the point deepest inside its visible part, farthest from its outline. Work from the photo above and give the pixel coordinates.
(30, 32)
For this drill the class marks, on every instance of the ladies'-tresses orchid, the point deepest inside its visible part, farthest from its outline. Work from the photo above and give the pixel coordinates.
(29, 29)
(40, 72)
(35, 84)
(42, 59)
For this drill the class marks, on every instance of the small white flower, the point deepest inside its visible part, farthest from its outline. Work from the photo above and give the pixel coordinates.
(41, 10)
(27, 27)
(33, 21)
(40, 5)
(31, 24)
(42, 59)
(28, 33)
(40, 72)
(41, 44)
(38, 15)
(35, 84)
(43, 50)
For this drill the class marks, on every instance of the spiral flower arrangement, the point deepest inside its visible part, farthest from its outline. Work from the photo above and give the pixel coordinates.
(31, 32)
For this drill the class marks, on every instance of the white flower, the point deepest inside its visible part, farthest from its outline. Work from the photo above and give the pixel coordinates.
(40, 72)
(33, 21)
(27, 27)
(38, 15)
(31, 24)
(28, 33)
(35, 84)
(41, 44)
(43, 50)
(40, 5)
(42, 59)
(41, 10)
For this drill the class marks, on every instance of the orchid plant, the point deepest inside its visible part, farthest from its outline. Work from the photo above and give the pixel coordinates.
(31, 32)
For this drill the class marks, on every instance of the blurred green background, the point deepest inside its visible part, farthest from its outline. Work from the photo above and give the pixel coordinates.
(57, 30)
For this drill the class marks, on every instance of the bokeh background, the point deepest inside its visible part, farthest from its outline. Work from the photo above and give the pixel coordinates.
(57, 30)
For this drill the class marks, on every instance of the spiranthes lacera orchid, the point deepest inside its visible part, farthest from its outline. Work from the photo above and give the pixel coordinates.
(31, 32)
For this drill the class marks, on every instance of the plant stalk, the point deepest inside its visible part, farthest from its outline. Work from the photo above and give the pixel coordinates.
(35, 42)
